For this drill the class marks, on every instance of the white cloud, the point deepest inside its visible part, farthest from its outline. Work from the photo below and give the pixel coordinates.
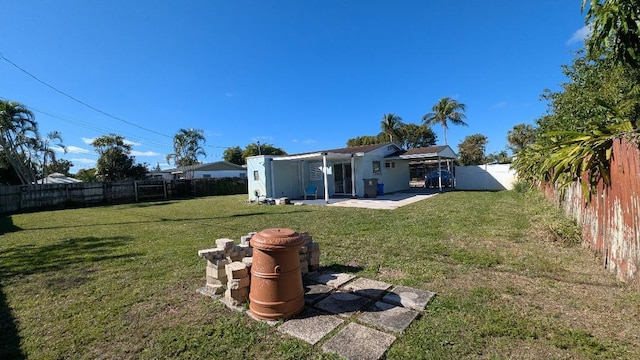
(129, 142)
(213, 133)
(89, 141)
(85, 161)
(144, 153)
(580, 35)
(73, 150)
(499, 105)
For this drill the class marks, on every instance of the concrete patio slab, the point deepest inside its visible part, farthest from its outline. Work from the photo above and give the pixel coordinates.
(357, 342)
(366, 287)
(386, 202)
(343, 304)
(408, 297)
(316, 292)
(389, 317)
(330, 278)
(310, 325)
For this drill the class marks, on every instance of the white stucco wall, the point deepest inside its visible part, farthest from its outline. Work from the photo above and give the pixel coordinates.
(485, 177)
(220, 174)
(256, 163)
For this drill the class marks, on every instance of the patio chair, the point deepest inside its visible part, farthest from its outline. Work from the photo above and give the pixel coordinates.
(311, 190)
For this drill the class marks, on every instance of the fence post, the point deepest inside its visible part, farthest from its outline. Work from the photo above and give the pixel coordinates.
(164, 187)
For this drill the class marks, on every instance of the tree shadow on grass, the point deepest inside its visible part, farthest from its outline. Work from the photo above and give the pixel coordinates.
(31, 259)
(163, 219)
(6, 225)
(9, 337)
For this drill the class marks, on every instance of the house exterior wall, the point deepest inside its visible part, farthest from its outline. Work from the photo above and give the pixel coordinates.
(219, 174)
(287, 179)
(161, 175)
(396, 176)
(256, 166)
(290, 177)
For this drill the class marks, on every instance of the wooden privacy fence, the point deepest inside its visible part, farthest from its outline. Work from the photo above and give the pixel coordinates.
(21, 198)
(611, 220)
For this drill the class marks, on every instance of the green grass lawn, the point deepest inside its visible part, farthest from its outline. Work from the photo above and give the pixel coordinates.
(120, 282)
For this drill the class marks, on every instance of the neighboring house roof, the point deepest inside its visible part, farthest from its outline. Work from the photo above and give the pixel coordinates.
(215, 166)
(57, 178)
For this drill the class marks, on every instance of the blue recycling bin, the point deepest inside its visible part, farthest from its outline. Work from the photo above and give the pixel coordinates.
(380, 189)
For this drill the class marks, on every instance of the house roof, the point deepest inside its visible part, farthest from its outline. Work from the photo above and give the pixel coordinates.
(214, 166)
(359, 149)
(423, 153)
(418, 154)
(346, 152)
(57, 178)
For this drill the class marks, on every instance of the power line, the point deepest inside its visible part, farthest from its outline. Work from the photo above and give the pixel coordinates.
(93, 127)
(78, 100)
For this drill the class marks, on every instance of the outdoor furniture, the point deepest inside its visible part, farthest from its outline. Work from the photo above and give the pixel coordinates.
(311, 190)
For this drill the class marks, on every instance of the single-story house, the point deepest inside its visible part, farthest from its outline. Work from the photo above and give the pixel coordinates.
(57, 178)
(220, 169)
(348, 171)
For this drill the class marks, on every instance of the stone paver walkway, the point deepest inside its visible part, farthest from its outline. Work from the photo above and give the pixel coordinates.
(356, 318)
(334, 300)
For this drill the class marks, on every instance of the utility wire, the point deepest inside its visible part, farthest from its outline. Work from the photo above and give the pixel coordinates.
(2, 57)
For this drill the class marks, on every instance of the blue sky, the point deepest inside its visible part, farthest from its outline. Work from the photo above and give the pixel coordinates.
(302, 75)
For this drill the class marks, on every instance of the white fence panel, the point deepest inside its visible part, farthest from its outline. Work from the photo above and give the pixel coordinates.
(485, 177)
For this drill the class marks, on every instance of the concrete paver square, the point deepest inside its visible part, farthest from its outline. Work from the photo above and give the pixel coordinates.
(389, 317)
(315, 292)
(310, 325)
(367, 287)
(357, 342)
(343, 304)
(330, 278)
(408, 297)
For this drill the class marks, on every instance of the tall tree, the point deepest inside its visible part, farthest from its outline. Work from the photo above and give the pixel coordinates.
(19, 139)
(254, 149)
(500, 157)
(471, 150)
(48, 152)
(61, 166)
(520, 136)
(615, 26)
(444, 111)
(87, 175)
(233, 155)
(115, 162)
(187, 147)
(416, 136)
(390, 126)
(366, 140)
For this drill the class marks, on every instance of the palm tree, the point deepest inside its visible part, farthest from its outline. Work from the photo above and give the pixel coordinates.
(390, 125)
(446, 109)
(19, 138)
(187, 147)
(48, 151)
